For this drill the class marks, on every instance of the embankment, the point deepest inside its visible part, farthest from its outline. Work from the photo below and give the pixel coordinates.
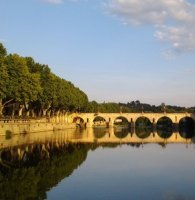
(20, 127)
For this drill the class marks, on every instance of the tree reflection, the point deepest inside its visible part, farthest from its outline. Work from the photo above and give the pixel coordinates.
(32, 177)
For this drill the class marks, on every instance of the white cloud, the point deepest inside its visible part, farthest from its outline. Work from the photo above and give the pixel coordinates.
(174, 20)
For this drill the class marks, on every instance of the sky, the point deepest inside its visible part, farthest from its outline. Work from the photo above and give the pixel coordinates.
(113, 50)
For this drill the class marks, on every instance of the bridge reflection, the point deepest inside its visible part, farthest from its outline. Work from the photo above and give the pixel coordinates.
(97, 135)
(124, 135)
(22, 148)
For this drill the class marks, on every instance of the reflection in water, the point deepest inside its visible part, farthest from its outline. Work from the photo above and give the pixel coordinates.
(143, 132)
(99, 132)
(121, 132)
(32, 164)
(164, 133)
(143, 122)
(186, 128)
(38, 170)
(186, 134)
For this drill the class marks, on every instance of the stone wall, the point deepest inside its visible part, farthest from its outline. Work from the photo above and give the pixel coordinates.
(30, 127)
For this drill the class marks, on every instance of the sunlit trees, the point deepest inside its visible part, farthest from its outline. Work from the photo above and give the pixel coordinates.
(22, 86)
(30, 88)
(3, 77)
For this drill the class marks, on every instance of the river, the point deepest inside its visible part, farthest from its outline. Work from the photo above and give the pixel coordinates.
(98, 163)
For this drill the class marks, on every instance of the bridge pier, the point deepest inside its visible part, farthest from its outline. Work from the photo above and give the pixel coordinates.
(132, 124)
(87, 125)
(175, 126)
(154, 126)
(110, 123)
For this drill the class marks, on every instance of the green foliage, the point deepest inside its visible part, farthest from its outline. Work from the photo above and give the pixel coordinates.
(23, 85)
(134, 106)
(93, 107)
(30, 85)
(4, 79)
(3, 51)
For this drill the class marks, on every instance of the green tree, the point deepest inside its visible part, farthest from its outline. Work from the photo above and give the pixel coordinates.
(24, 86)
(3, 77)
(29, 86)
(3, 51)
(48, 96)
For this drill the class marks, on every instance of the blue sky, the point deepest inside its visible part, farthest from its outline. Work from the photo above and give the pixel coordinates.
(113, 50)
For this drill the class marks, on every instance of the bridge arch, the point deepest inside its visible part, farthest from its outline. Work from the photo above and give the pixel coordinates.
(186, 122)
(121, 121)
(164, 122)
(79, 121)
(186, 127)
(99, 121)
(143, 122)
(143, 127)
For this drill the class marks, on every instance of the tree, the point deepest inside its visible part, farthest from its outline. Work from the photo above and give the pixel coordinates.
(24, 86)
(163, 107)
(49, 90)
(3, 51)
(4, 77)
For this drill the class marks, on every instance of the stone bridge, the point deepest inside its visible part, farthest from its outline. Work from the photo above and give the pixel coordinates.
(88, 118)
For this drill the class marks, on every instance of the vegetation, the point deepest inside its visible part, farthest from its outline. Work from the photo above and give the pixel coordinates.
(30, 88)
(135, 106)
(33, 177)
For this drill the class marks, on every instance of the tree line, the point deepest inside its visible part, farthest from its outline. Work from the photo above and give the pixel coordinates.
(28, 88)
(136, 106)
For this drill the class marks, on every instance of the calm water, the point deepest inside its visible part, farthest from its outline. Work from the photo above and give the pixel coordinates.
(98, 164)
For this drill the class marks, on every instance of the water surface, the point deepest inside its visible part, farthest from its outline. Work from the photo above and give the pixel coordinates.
(98, 164)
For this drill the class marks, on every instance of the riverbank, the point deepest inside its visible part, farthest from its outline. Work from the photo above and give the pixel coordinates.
(22, 127)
